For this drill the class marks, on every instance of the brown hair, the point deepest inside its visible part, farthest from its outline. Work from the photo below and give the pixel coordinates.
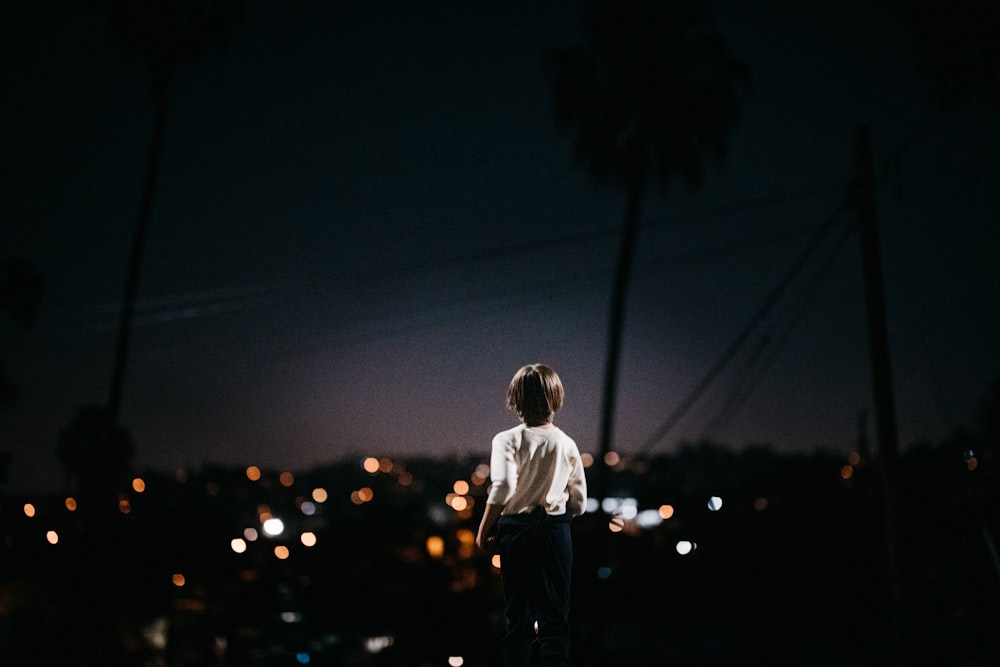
(535, 394)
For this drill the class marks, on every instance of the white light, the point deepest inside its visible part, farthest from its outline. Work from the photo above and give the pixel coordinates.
(273, 527)
(625, 506)
(291, 616)
(684, 547)
(629, 508)
(648, 518)
(715, 503)
(376, 644)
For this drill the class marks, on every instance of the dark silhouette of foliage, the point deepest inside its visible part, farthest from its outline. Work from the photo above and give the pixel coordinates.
(97, 454)
(958, 48)
(652, 91)
(171, 33)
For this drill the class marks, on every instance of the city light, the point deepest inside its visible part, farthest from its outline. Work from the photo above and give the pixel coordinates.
(379, 643)
(685, 547)
(362, 495)
(435, 546)
(273, 527)
(647, 519)
(481, 474)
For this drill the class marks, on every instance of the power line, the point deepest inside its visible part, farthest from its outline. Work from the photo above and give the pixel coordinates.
(734, 347)
(751, 378)
(678, 413)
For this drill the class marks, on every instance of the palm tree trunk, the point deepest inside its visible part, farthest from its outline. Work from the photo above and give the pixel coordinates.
(619, 298)
(160, 80)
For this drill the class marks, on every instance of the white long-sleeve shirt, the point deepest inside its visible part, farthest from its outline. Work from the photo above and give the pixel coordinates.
(537, 465)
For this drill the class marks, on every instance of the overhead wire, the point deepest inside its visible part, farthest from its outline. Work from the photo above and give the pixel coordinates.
(730, 352)
(773, 343)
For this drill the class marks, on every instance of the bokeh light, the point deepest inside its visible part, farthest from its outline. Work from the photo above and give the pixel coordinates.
(273, 527)
(435, 546)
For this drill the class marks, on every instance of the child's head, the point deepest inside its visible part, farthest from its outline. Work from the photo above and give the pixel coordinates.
(535, 394)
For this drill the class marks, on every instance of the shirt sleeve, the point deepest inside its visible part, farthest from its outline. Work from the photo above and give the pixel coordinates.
(503, 470)
(576, 503)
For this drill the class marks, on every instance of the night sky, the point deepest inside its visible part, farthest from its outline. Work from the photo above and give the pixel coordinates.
(366, 219)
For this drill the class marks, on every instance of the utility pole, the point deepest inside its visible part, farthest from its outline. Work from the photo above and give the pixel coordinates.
(863, 199)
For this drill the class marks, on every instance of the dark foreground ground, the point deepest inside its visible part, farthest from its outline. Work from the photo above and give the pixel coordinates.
(799, 565)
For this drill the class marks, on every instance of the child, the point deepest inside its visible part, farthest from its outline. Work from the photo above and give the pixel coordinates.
(537, 487)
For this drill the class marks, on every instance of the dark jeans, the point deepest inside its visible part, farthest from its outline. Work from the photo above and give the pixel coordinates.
(536, 559)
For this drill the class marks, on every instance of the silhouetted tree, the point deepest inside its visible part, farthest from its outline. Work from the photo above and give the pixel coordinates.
(958, 48)
(165, 34)
(96, 455)
(651, 93)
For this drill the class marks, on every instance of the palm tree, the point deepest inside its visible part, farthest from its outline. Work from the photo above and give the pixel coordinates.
(652, 91)
(165, 34)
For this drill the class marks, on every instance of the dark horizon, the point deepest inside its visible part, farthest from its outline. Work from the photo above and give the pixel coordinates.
(760, 555)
